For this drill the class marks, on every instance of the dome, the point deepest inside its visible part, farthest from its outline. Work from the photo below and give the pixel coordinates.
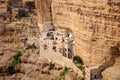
(71, 36)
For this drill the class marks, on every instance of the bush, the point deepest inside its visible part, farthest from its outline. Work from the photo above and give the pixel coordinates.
(52, 79)
(52, 66)
(17, 57)
(78, 60)
(22, 13)
(82, 69)
(82, 78)
(11, 69)
(64, 71)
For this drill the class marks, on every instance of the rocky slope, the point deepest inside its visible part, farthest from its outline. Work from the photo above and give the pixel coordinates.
(32, 68)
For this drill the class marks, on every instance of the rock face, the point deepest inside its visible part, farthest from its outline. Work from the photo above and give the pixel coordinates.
(114, 70)
(95, 24)
(44, 10)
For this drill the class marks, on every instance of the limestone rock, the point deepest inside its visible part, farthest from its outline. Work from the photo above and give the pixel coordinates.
(44, 9)
(30, 57)
(113, 72)
(95, 24)
(95, 28)
(6, 59)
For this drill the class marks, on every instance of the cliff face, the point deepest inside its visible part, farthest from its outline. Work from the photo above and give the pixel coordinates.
(44, 10)
(95, 24)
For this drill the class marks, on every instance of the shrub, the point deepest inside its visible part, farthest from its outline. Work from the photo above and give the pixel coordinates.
(78, 60)
(52, 66)
(82, 78)
(82, 69)
(11, 69)
(52, 79)
(64, 71)
(17, 57)
(22, 13)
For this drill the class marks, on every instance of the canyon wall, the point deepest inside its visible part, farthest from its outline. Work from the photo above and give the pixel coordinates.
(95, 24)
(44, 10)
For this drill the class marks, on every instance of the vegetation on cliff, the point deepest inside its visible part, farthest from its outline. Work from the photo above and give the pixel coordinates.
(77, 60)
(17, 57)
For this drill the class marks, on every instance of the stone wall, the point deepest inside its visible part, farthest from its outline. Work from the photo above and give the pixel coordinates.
(95, 24)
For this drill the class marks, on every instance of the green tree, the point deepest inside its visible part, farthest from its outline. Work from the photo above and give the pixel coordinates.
(78, 60)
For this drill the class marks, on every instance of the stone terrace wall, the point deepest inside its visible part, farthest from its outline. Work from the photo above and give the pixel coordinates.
(95, 24)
